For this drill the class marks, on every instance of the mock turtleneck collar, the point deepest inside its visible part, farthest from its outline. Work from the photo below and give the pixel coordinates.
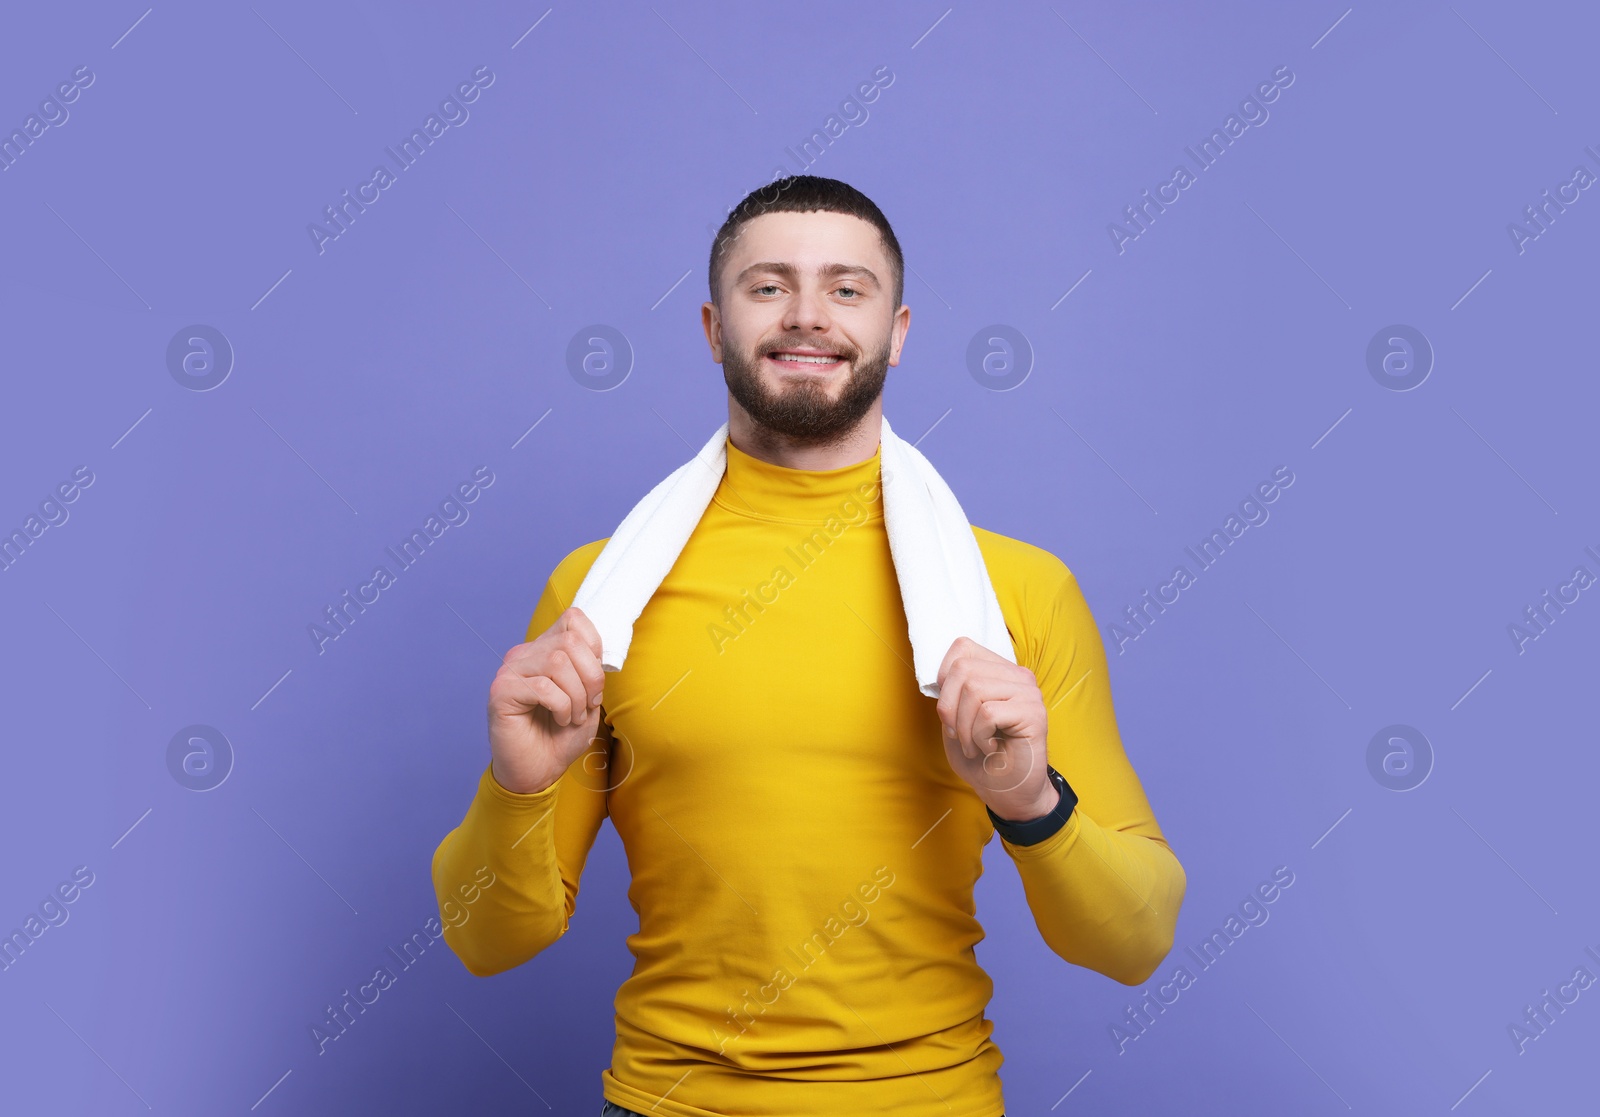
(752, 487)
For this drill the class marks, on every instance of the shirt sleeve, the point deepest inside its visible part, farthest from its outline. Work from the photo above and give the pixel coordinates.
(507, 877)
(1105, 889)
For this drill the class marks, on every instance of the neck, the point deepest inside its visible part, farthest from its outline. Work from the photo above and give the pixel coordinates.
(852, 446)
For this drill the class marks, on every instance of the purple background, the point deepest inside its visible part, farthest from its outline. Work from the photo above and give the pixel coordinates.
(371, 378)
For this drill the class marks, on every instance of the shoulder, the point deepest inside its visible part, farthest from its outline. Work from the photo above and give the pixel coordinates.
(569, 573)
(562, 586)
(1029, 573)
(1036, 591)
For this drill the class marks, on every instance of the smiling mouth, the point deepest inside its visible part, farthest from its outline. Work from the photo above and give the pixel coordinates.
(806, 362)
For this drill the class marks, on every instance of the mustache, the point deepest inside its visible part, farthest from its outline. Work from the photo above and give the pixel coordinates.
(846, 351)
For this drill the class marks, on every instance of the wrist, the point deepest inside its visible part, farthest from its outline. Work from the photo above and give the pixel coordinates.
(1033, 830)
(1041, 802)
(527, 784)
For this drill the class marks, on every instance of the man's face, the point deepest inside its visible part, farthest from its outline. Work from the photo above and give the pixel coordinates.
(807, 329)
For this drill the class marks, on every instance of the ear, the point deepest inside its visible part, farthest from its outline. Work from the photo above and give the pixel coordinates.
(711, 319)
(899, 324)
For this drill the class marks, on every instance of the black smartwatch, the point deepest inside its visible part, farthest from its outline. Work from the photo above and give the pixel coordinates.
(1037, 830)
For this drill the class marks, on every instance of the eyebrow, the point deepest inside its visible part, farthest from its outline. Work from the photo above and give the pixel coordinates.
(828, 271)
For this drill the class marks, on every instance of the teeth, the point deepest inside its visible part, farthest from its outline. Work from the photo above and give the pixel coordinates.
(806, 360)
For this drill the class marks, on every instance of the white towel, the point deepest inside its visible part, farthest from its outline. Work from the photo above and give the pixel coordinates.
(944, 585)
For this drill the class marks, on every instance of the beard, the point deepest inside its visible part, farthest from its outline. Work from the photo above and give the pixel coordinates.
(801, 410)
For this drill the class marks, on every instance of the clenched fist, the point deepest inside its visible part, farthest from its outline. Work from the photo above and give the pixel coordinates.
(544, 704)
(995, 730)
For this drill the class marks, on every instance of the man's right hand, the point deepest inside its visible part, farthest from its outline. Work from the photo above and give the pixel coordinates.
(544, 704)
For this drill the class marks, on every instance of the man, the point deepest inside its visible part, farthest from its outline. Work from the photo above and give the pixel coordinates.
(802, 850)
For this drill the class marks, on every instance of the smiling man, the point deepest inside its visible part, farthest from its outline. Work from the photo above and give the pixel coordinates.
(803, 826)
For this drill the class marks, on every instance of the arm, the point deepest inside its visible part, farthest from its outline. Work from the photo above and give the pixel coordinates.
(1105, 889)
(529, 848)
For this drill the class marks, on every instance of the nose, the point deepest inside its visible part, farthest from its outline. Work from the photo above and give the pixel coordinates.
(807, 310)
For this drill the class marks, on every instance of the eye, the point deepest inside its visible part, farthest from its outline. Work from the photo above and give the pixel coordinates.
(766, 287)
(852, 290)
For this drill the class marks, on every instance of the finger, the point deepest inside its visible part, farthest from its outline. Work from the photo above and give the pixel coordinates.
(555, 666)
(980, 688)
(562, 670)
(539, 692)
(949, 698)
(584, 646)
(557, 635)
(961, 717)
(558, 643)
(967, 680)
(976, 725)
(1009, 682)
(988, 724)
(576, 620)
(955, 652)
(952, 685)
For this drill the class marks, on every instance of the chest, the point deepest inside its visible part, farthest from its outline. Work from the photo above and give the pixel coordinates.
(771, 654)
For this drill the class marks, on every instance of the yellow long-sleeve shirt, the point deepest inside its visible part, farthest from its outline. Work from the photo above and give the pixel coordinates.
(802, 854)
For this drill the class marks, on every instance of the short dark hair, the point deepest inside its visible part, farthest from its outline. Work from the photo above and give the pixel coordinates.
(805, 194)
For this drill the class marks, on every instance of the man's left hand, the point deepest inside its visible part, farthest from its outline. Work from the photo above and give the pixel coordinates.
(995, 727)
